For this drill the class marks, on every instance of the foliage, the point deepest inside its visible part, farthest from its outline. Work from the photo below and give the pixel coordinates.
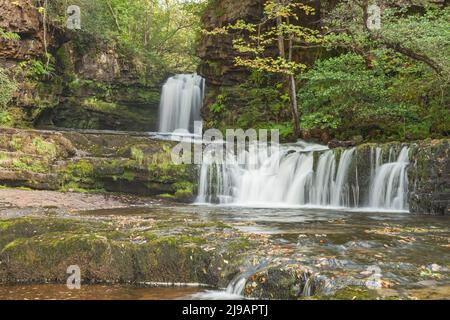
(264, 98)
(137, 155)
(320, 120)
(5, 119)
(218, 106)
(419, 34)
(35, 69)
(7, 35)
(395, 99)
(252, 41)
(383, 85)
(7, 89)
(44, 148)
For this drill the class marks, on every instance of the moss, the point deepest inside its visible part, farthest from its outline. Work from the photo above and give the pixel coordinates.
(138, 155)
(65, 63)
(79, 176)
(127, 175)
(105, 255)
(353, 293)
(166, 196)
(30, 164)
(216, 67)
(3, 156)
(239, 245)
(162, 168)
(81, 168)
(31, 227)
(184, 190)
(16, 143)
(138, 165)
(44, 148)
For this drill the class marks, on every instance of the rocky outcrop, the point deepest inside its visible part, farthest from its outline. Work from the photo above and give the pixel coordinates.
(218, 67)
(429, 176)
(428, 173)
(23, 18)
(216, 52)
(71, 161)
(166, 250)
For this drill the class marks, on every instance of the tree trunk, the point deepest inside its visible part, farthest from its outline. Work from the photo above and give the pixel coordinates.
(294, 105)
(293, 91)
(45, 35)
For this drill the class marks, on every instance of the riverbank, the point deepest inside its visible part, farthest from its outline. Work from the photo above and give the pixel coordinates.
(67, 202)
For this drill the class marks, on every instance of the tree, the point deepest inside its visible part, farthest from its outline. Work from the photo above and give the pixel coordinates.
(386, 83)
(280, 27)
(422, 36)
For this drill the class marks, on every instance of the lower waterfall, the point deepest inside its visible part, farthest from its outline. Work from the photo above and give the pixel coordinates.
(308, 175)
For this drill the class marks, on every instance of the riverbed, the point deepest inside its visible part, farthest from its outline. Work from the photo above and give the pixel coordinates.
(407, 255)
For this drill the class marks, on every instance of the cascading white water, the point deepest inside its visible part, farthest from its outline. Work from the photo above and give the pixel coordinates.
(305, 175)
(181, 102)
(390, 185)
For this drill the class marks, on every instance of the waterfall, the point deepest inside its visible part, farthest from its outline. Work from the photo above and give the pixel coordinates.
(307, 175)
(181, 102)
(390, 185)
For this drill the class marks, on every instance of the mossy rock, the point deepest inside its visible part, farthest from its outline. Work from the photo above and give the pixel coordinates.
(41, 250)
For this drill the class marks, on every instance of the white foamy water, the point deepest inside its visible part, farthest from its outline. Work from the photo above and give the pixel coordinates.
(181, 102)
(307, 175)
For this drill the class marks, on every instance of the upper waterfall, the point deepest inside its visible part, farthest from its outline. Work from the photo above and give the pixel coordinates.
(181, 102)
(308, 175)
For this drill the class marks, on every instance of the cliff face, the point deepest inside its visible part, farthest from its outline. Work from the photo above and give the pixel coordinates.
(429, 177)
(89, 85)
(24, 19)
(216, 52)
(218, 67)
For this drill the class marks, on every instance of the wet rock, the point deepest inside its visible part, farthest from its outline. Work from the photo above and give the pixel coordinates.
(23, 18)
(429, 176)
(333, 144)
(283, 283)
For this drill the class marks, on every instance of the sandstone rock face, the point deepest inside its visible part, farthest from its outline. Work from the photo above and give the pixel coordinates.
(93, 64)
(218, 56)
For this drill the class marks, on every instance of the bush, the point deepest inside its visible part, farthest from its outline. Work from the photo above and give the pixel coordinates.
(7, 89)
(394, 98)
